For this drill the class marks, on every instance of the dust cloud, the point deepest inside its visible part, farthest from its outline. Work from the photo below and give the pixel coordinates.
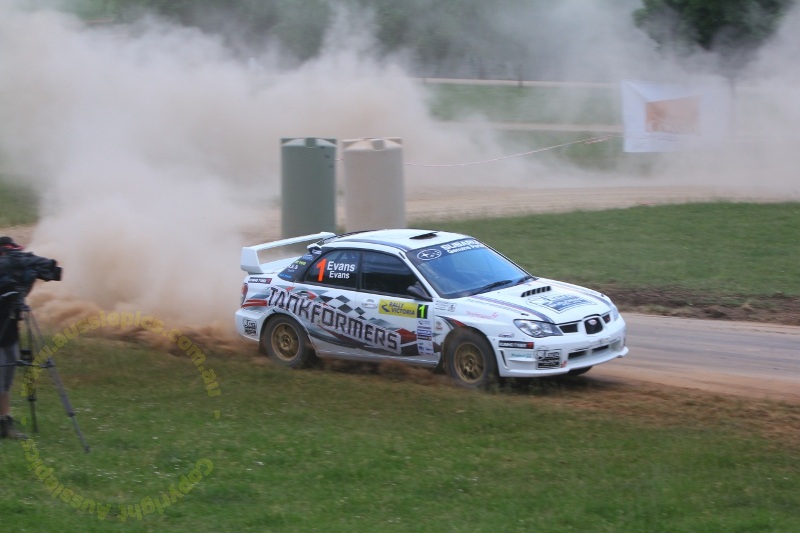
(156, 151)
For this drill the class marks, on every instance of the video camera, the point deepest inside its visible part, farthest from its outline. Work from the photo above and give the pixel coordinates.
(19, 270)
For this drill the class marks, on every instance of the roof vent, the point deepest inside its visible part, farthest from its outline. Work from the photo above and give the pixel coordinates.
(429, 235)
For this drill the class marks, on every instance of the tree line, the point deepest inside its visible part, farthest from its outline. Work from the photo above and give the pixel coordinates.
(441, 33)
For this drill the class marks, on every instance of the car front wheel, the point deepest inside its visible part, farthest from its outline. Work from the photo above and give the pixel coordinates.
(470, 360)
(285, 342)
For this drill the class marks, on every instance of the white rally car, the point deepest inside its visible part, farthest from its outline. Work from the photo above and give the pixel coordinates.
(421, 297)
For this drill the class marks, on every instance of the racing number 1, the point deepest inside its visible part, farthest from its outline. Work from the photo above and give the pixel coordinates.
(321, 266)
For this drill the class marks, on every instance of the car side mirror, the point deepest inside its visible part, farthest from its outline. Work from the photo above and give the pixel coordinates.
(417, 291)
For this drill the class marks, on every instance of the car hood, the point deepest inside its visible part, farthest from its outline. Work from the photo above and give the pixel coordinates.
(548, 300)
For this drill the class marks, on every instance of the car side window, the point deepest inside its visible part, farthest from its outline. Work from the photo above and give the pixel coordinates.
(338, 268)
(386, 274)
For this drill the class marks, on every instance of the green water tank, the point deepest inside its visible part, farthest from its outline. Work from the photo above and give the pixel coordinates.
(308, 186)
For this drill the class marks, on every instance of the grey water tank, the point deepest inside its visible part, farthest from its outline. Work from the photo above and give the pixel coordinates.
(374, 184)
(308, 186)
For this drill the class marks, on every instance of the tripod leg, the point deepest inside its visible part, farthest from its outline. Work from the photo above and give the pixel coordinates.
(32, 403)
(26, 354)
(34, 335)
(51, 368)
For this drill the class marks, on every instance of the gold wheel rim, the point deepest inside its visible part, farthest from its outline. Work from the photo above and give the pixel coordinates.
(285, 342)
(468, 363)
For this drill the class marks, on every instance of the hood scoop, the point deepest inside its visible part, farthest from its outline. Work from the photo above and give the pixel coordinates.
(538, 290)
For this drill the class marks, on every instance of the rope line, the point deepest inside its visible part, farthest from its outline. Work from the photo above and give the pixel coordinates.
(591, 140)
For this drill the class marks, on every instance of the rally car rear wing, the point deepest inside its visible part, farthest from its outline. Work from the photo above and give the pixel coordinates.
(250, 261)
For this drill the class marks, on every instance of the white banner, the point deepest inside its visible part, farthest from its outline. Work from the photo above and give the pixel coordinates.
(662, 117)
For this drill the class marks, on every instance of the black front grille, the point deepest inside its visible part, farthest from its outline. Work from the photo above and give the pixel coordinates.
(593, 325)
(572, 327)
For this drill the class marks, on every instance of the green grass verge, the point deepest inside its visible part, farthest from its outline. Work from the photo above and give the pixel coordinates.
(720, 249)
(282, 450)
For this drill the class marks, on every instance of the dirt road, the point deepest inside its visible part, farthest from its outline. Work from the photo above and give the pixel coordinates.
(482, 202)
(747, 359)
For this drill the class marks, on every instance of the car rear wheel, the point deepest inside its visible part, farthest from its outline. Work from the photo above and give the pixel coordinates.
(285, 342)
(470, 360)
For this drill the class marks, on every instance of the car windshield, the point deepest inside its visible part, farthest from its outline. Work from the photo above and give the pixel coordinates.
(465, 267)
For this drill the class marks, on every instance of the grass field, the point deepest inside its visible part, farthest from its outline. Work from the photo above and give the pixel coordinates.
(389, 450)
(722, 249)
(722, 260)
(357, 448)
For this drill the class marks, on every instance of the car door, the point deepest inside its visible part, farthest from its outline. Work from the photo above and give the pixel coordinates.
(384, 282)
(356, 304)
(329, 308)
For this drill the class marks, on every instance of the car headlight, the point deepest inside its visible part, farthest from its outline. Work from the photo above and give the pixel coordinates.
(537, 329)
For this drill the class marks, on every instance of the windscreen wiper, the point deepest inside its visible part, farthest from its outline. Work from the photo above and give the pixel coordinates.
(493, 285)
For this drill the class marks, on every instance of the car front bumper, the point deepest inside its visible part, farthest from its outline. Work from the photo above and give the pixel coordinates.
(559, 355)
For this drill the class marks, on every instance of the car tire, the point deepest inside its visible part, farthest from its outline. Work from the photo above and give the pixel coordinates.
(470, 360)
(286, 342)
(579, 371)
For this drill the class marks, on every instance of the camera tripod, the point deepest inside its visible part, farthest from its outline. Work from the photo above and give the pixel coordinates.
(32, 349)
